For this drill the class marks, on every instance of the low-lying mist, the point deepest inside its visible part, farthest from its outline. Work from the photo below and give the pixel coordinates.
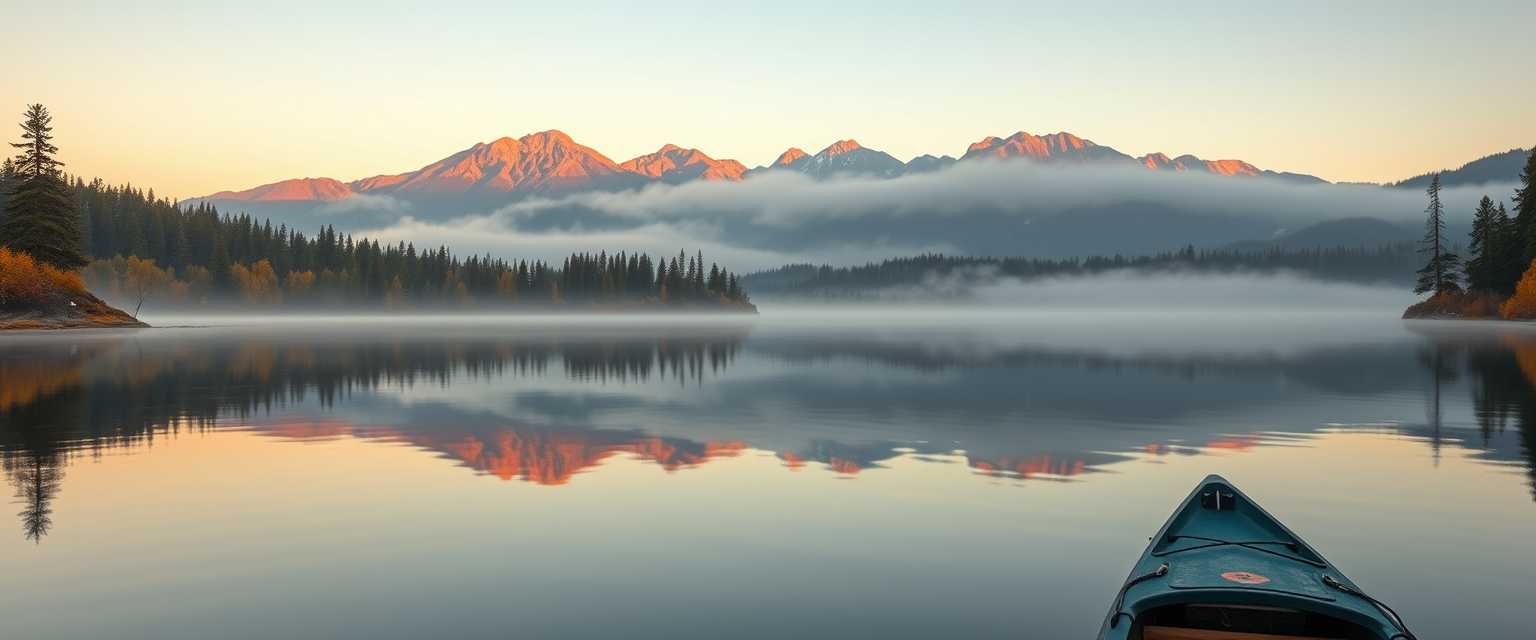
(974, 208)
(1149, 291)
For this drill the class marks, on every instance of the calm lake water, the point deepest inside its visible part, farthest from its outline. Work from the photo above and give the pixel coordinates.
(854, 474)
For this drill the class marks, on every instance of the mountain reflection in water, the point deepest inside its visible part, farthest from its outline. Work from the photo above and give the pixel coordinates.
(544, 404)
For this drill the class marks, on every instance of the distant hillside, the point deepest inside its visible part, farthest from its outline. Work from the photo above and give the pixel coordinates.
(1499, 167)
(1348, 232)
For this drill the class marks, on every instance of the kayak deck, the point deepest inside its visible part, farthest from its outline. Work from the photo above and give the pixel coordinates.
(1222, 568)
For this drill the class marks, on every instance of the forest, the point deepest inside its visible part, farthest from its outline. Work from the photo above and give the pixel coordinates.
(141, 244)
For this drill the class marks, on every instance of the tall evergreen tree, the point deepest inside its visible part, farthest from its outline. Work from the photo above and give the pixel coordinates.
(7, 173)
(1484, 263)
(1525, 220)
(1439, 274)
(42, 217)
(1511, 251)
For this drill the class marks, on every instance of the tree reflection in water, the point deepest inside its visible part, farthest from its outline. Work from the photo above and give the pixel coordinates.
(61, 399)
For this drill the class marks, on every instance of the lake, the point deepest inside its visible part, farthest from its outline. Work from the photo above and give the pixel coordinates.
(823, 473)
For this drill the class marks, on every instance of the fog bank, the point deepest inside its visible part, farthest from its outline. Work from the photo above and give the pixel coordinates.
(973, 208)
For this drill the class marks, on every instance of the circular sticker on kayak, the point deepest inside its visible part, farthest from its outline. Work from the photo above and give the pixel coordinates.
(1244, 577)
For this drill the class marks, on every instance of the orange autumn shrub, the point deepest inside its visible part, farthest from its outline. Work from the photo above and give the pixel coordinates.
(24, 280)
(1522, 306)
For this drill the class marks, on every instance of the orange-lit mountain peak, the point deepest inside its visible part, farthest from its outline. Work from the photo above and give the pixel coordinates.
(545, 139)
(790, 156)
(298, 189)
(1062, 140)
(1232, 168)
(1023, 144)
(984, 144)
(1157, 160)
(841, 147)
(672, 163)
(537, 162)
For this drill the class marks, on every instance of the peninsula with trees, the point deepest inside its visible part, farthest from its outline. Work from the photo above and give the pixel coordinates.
(1497, 278)
(62, 239)
(40, 253)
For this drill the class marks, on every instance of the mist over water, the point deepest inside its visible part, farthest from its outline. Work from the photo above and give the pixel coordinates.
(1141, 291)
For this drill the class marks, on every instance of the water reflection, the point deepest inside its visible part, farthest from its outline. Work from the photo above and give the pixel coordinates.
(543, 405)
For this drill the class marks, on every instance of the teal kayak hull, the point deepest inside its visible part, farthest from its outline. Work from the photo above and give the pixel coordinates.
(1223, 564)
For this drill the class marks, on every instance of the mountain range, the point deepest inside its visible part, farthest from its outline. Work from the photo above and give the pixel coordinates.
(551, 163)
(985, 210)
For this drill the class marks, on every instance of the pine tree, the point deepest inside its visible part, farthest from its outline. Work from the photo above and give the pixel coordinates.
(1484, 264)
(1509, 268)
(1439, 274)
(1525, 221)
(42, 217)
(7, 173)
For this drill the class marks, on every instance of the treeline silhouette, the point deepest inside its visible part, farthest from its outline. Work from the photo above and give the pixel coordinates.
(1387, 263)
(146, 247)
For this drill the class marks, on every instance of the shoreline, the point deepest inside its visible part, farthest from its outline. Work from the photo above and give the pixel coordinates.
(67, 310)
(1461, 305)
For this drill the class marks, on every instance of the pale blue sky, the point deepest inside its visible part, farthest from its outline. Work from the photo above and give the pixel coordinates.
(192, 98)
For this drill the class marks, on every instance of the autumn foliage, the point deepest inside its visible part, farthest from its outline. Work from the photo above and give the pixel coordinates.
(24, 280)
(257, 283)
(1523, 305)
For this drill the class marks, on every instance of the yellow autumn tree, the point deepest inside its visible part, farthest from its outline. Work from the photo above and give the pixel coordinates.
(141, 279)
(257, 282)
(1523, 305)
(298, 284)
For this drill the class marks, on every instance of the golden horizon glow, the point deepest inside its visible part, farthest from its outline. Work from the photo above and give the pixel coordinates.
(196, 100)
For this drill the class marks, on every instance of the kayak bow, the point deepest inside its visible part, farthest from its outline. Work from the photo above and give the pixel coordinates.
(1222, 568)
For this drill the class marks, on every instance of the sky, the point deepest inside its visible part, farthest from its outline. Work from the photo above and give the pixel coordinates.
(191, 98)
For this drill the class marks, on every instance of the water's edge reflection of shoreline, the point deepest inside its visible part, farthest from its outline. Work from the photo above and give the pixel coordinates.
(548, 404)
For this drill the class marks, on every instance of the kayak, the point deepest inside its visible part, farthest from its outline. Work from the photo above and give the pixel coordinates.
(1222, 568)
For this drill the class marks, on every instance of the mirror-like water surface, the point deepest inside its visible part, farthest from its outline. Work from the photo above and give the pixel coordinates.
(819, 475)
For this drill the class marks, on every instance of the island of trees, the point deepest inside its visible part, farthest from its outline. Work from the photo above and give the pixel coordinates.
(62, 236)
(1498, 277)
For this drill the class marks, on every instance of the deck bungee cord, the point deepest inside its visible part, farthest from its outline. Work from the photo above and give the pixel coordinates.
(1397, 620)
(1246, 544)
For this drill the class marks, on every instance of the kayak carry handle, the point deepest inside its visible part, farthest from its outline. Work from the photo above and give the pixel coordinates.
(1218, 500)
